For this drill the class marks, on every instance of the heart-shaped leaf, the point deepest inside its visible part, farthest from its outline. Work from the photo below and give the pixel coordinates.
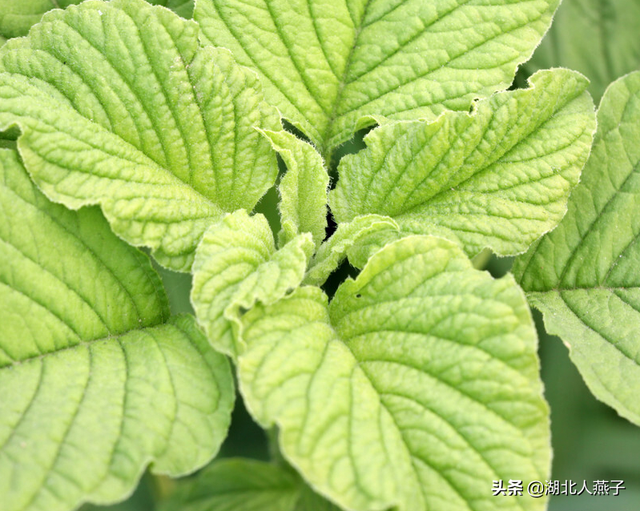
(415, 389)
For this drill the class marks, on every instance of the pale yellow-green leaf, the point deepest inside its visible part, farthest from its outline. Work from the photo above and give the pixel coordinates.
(97, 382)
(120, 106)
(414, 390)
(497, 177)
(334, 66)
(303, 189)
(585, 275)
(237, 265)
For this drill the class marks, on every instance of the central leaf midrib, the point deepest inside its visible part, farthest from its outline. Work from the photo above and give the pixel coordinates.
(379, 393)
(593, 328)
(152, 118)
(445, 189)
(150, 164)
(598, 218)
(328, 132)
(171, 106)
(324, 149)
(430, 71)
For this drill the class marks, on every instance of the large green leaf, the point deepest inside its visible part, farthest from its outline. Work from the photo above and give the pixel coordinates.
(498, 177)
(18, 16)
(416, 387)
(120, 106)
(585, 275)
(334, 66)
(236, 265)
(596, 37)
(96, 380)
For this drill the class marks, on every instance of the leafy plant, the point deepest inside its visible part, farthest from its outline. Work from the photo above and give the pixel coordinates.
(415, 384)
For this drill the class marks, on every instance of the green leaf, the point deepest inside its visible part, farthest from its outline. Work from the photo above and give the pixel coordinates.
(498, 177)
(182, 8)
(119, 106)
(237, 265)
(238, 485)
(18, 16)
(246, 485)
(311, 501)
(335, 66)
(347, 239)
(584, 276)
(303, 189)
(96, 380)
(416, 387)
(599, 38)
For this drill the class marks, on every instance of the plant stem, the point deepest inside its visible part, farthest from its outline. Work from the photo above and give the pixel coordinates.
(274, 447)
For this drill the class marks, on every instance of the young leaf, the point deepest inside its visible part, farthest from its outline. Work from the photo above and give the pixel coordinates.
(96, 380)
(119, 106)
(303, 190)
(416, 387)
(238, 485)
(498, 177)
(237, 265)
(333, 67)
(344, 241)
(585, 275)
(599, 38)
